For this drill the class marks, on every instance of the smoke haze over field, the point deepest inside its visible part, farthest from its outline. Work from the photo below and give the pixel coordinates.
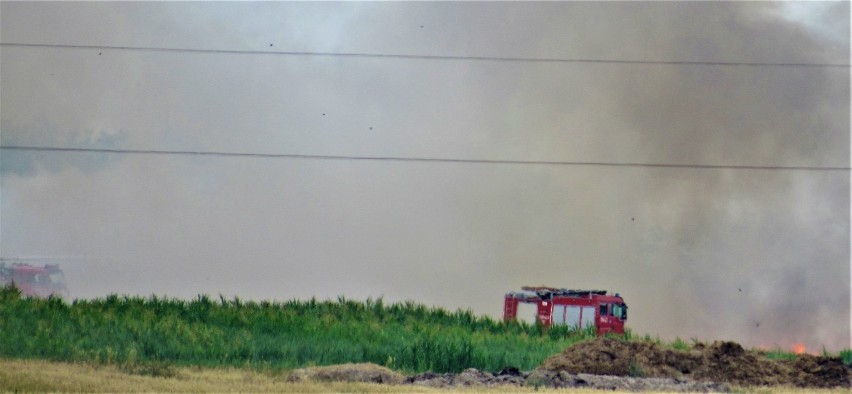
(754, 255)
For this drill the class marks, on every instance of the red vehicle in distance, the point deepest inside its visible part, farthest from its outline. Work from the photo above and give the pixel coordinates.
(33, 281)
(575, 308)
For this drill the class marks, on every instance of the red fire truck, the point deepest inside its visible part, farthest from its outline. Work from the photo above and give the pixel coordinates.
(33, 281)
(576, 308)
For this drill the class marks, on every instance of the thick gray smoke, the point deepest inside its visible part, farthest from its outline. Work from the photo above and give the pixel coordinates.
(754, 255)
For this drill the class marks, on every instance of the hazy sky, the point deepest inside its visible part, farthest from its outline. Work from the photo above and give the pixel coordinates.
(754, 255)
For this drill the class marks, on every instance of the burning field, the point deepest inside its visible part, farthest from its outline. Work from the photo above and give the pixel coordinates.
(399, 346)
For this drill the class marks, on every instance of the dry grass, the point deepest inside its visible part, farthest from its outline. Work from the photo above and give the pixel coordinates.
(45, 376)
(790, 390)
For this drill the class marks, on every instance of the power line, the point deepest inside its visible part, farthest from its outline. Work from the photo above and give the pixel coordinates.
(413, 159)
(424, 57)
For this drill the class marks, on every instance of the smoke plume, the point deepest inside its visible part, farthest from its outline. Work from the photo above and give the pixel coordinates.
(760, 256)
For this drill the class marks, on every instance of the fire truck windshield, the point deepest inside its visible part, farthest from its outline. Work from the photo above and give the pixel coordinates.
(57, 278)
(619, 311)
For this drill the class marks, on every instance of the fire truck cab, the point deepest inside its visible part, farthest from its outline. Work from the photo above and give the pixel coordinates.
(576, 308)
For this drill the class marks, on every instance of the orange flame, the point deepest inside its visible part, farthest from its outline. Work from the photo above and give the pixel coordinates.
(799, 348)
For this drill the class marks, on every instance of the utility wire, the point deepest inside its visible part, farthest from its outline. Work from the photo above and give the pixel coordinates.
(423, 57)
(413, 159)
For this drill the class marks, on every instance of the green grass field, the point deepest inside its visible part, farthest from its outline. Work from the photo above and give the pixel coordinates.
(406, 337)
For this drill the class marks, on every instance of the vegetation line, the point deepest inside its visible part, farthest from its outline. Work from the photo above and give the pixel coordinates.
(150, 331)
(149, 336)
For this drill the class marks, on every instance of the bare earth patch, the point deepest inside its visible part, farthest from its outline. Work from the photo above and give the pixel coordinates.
(561, 380)
(365, 373)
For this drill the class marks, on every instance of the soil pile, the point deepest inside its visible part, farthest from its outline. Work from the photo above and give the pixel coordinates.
(366, 372)
(563, 379)
(720, 362)
(541, 378)
(469, 377)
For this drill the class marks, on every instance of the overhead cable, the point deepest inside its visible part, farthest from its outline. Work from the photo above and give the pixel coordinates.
(414, 159)
(423, 57)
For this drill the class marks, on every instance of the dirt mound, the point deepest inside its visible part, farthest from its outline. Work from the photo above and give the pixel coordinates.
(814, 371)
(469, 377)
(368, 373)
(564, 379)
(720, 362)
(512, 377)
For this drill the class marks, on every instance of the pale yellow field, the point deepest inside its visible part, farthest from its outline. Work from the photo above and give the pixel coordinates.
(44, 376)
